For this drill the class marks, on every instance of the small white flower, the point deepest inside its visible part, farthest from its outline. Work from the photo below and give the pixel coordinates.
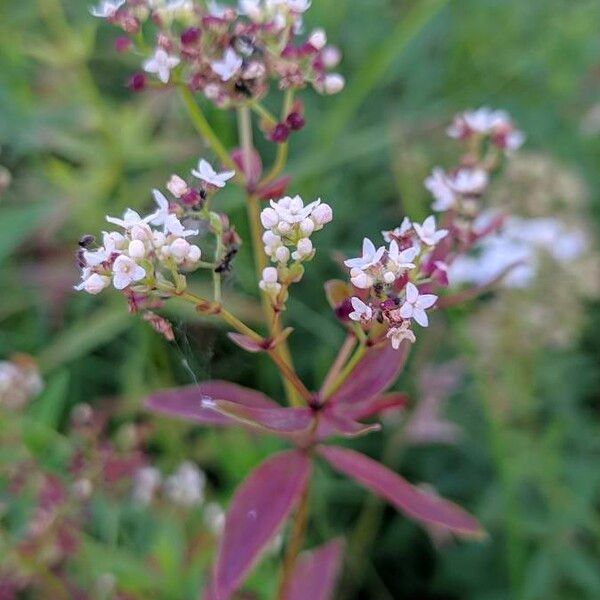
(126, 271)
(161, 64)
(331, 57)
(292, 210)
(402, 259)
(303, 250)
(269, 218)
(173, 226)
(206, 173)
(94, 284)
(322, 214)
(282, 254)
(106, 9)
(415, 305)
(399, 232)
(162, 213)
(362, 312)
(397, 334)
(370, 256)
(179, 249)
(93, 258)
(146, 482)
(177, 186)
(468, 182)
(360, 279)
(269, 282)
(437, 183)
(427, 231)
(228, 66)
(186, 486)
(131, 219)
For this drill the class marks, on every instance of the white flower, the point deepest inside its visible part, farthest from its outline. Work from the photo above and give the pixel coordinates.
(370, 256)
(228, 66)
(186, 486)
(94, 284)
(427, 231)
(360, 279)
(514, 140)
(468, 182)
(107, 8)
(322, 214)
(437, 183)
(318, 39)
(146, 482)
(173, 226)
(179, 249)
(131, 219)
(397, 334)
(206, 173)
(304, 249)
(399, 232)
(252, 9)
(177, 186)
(298, 6)
(292, 210)
(269, 218)
(402, 259)
(136, 249)
(446, 188)
(96, 257)
(362, 312)
(161, 64)
(162, 213)
(126, 271)
(415, 305)
(269, 282)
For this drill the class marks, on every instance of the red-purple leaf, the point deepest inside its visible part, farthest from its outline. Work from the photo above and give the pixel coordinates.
(332, 423)
(376, 405)
(279, 420)
(315, 573)
(245, 342)
(259, 508)
(275, 189)
(374, 373)
(186, 402)
(414, 502)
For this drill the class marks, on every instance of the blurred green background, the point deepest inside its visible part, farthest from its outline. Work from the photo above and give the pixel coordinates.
(79, 146)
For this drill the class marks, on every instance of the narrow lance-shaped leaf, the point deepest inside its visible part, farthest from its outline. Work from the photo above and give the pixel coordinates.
(258, 509)
(415, 503)
(279, 419)
(315, 573)
(186, 403)
(374, 373)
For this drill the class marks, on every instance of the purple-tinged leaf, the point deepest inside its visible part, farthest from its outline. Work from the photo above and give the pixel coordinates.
(258, 509)
(275, 189)
(279, 420)
(186, 402)
(315, 573)
(414, 502)
(246, 343)
(331, 423)
(376, 405)
(374, 373)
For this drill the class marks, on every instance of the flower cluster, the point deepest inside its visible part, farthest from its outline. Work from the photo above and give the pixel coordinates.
(289, 225)
(391, 280)
(229, 54)
(20, 380)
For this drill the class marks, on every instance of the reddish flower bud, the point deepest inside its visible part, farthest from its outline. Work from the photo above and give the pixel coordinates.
(137, 82)
(280, 133)
(190, 36)
(122, 44)
(191, 197)
(295, 121)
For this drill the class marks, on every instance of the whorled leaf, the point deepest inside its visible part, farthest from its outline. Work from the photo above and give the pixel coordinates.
(258, 509)
(414, 502)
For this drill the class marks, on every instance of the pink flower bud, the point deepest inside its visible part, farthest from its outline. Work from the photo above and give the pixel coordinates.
(282, 254)
(295, 121)
(304, 247)
(179, 249)
(194, 254)
(190, 36)
(269, 218)
(318, 39)
(177, 186)
(322, 214)
(280, 133)
(137, 249)
(122, 44)
(333, 83)
(137, 82)
(269, 275)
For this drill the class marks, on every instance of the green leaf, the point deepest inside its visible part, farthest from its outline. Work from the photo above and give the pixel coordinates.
(16, 223)
(49, 407)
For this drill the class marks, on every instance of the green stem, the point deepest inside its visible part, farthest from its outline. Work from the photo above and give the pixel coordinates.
(204, 129)
(339, 380)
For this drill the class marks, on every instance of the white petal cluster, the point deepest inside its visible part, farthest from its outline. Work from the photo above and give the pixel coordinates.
(207, 174)
(161, 63)
(185, 487)
(134, 256)
(289, 224)
(449, 189)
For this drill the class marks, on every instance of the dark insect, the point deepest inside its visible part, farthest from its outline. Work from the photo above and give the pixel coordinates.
(242, 88)
(86, 241)
(225, 265)
(81, 262)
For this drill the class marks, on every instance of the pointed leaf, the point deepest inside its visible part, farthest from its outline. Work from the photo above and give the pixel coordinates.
(275, 189)
(415, 503)
(280, 419)
(332, 423)
(259, 508)
(374, 373)
(315, 573)
(186, 402)
(245, 342)
(376, 405)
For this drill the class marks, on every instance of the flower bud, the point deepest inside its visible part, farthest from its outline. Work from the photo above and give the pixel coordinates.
(179, 249)
(95, 283)
(284, 227)
(269, 218)
(194, 254)
(322, 214)
(307, 226)
(295, 121)
(137, 249)
(318, 39)
(137, 82)
(280, 133)
(304, 248)
(177, 186)
(282, 254)
(330, 56)
(269, 275)
(333, 83)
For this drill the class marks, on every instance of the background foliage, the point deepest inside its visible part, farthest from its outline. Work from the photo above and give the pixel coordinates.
(79, 145)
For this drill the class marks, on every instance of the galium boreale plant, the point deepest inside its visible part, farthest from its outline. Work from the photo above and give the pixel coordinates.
(232, 57)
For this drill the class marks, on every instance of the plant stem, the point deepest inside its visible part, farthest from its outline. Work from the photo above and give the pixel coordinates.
(339, 380)
(294, 545)
(340, 360)
(204, 129)
(289, 374)
(260, 260)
